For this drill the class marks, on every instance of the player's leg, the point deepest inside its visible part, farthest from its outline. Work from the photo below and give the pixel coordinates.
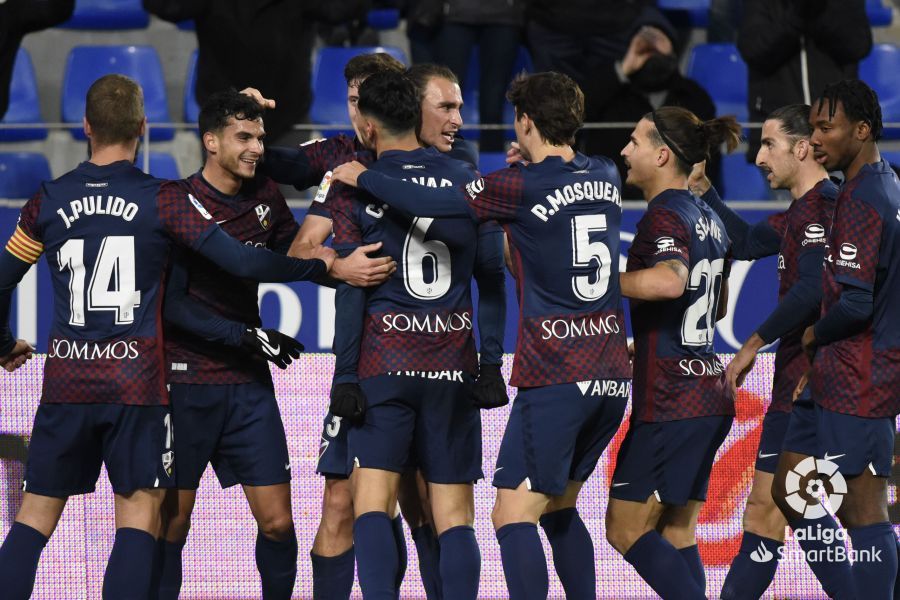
(448, 451)
(252, 450)
(198, 415)
(138, 522)
(64, 459)
(573, 549)
(754, 566)
(820, 536)
(333, 559)
(678, 526)
(332, 556)
(380, 448)
(415, 506)
(515, 516)
(861, 451)
(138, 452)
(276, 540)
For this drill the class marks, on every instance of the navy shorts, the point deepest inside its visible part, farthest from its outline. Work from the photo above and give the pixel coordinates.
(556, 434)
(235, 427)
(430, 420)
(800, 437)
(69, 442)
(670, 459)
(333, 451)
(854, 443)
(775, 425)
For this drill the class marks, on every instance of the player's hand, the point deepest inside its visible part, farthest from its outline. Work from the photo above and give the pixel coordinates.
(348, 173)
(644, 44)
(257, 95)
(514, 154)
(360, 270)
(272, 345)
(348, 401)
(631, 352)
(801, 386)
(490, 389)
(698, 182)
(809, 343)
(325, 254)
(739, 367)
(18, 356)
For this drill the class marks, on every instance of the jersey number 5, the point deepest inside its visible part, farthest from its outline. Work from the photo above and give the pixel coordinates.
(112, 285)
(700, 317)
(585, 252)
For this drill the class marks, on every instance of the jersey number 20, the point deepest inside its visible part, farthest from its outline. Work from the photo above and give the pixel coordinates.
(112, 285)
(700, 317)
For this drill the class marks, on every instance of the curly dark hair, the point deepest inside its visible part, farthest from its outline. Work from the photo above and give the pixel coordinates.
(224, 105)
(859, 100)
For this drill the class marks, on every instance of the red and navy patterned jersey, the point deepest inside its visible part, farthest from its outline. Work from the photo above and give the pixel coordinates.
(421, 318)
(324, 156)
(106, 238)
(802, 228)
(676, 372)
(258, 215)
(860, 375)
(562, 220)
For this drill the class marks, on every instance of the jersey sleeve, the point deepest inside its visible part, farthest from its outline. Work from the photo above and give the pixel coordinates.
(663, 235)
(26, 243)
(497, 196)
(809, 226)
(285, 225)
(345, 222)
(183, 216)
(855, 241)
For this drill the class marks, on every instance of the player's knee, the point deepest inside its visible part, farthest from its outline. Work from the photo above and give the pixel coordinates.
(619, 536)
(763, 516)
(277, 527)
(176, 526)
(779, 497)
(337, 511)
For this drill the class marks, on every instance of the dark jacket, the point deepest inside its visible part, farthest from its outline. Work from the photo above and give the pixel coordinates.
(777, 36)
(485, 12)
(578, 17)
(18, 18)
(266, 44)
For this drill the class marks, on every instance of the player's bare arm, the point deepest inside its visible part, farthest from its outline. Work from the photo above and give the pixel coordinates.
(742, 363)
(17, 357)
(664, 281)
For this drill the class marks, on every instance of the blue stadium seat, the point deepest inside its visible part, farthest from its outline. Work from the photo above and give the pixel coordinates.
(329, 106)
(88, 63)
(879, 14)
(881, 70)
(162, 165)
(488, 162)
(191, 108)
(24, 105)
(893, 158)
(21, 173)
(693, 12)
(742, 180)
(470, 112)
(108, 14)
(187, 25)
(722, 72)
(383, 18)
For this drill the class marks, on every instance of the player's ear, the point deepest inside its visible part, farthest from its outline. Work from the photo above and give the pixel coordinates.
(662, 156)
(143, 127)
(801, 149)
(86, 126)
(863, 130)
(210, 142)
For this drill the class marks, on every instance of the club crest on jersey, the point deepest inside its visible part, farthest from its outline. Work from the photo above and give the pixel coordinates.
(168, 459)
(264, 214)
(199, 206)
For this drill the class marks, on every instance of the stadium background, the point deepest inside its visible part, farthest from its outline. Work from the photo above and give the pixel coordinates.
(219, 559)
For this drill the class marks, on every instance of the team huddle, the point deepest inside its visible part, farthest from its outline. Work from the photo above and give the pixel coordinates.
(159, 361)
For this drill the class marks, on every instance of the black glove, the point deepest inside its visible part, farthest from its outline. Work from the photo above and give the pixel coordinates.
(490, 389)
(272, 345)
(348, 401)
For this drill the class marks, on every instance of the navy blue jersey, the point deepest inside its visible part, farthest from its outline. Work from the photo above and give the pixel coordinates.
(257, 215)
(562, 220)
(106, 238)
(860, 375)
(421, 318)
(677, 374)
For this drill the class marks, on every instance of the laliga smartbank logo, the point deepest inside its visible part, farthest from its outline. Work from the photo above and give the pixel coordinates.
(826, 475)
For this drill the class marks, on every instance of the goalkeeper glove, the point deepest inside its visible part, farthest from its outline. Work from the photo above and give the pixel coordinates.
(272, 345)
(348, 401)
(490, 389)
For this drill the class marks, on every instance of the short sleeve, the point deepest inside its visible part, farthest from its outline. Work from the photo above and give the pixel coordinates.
(662, 235)
(345, 223)
(26, 241)
(855, 242)
(496, 196)
(182, 215)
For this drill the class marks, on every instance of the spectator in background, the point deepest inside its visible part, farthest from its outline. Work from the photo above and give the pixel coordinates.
(18, 18)
(724, 20)
(265, 45)
(793, 48)
(646, 78)
(495, 27)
